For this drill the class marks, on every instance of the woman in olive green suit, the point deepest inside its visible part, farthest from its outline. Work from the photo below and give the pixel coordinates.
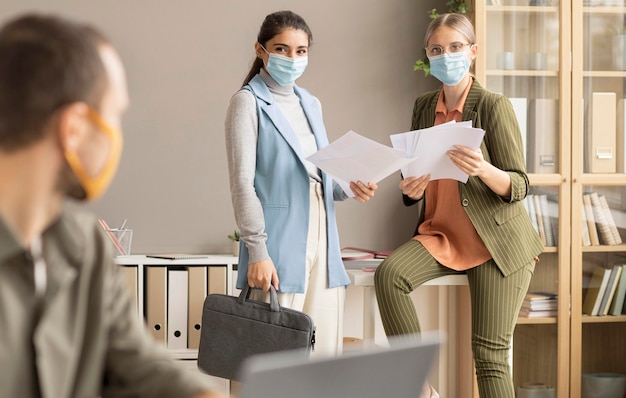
(479, 228)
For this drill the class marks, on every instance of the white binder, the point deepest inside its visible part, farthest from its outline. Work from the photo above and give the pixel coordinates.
(177, 293)
(543, 136)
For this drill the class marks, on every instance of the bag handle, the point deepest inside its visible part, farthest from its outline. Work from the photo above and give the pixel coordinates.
(245, 295)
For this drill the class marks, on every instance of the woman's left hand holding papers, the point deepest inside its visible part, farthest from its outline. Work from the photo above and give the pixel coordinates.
(363, 192)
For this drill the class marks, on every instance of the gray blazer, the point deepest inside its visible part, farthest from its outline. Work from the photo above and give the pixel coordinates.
(503, 224)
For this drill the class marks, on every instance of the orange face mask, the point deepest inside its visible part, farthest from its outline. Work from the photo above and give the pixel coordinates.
(96, 185)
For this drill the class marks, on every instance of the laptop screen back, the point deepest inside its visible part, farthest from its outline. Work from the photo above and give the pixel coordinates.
(397, 371)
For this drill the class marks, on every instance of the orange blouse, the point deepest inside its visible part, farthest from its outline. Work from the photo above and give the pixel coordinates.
(447, 232)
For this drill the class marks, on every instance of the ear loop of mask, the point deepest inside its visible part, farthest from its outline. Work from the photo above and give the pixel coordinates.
(95, 186)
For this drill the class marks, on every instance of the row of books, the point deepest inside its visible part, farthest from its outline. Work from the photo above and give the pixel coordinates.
(606, 292)
(539, 304)
(544, 216)
(599, 226)
(174, 299)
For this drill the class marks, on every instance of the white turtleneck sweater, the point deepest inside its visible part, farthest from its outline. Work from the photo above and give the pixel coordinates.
(241, 128)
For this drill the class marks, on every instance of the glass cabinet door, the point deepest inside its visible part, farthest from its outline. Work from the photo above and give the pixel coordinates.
(519, 56)
(598, 342)
(525, 55)
(603, 72)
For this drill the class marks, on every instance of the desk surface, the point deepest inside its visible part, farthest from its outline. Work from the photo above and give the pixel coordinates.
(210, 259)
(363, 278)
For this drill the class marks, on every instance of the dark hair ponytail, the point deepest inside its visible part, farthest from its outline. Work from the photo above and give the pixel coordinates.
(273, 25)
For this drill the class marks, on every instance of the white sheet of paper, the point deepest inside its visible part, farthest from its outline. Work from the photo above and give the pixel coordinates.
(430, 146)
(353, 157)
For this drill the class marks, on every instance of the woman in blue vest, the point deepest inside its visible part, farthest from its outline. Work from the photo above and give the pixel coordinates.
(283, 204)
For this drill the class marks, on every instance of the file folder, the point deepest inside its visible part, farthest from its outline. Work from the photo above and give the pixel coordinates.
(197, 294)
(177, 308)
(543, 139)
(602, 133)
(621, 136)
(217, 280)
(130, 278)
(520, 107)
(156, 301)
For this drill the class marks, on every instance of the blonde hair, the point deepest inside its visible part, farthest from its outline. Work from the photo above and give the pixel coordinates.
(458, 22)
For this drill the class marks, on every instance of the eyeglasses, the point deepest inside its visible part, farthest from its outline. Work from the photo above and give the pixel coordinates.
(456, 47)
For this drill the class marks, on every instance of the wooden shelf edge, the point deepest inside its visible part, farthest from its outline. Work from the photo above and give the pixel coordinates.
(516, 9)
(522, 73)
(545, 179)
(601, 179)
(536, 321)
(603, 319)
(603, 9)
(604, 248)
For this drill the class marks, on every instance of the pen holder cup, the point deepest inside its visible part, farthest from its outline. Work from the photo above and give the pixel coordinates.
(122, 240)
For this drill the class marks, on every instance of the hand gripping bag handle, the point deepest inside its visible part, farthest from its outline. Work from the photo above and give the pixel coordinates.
(245, 295)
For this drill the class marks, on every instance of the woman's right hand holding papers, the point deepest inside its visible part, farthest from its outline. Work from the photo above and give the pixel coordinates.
(414, 187)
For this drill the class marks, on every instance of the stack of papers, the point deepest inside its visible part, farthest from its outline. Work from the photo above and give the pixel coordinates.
(353, 157)
(429, 147)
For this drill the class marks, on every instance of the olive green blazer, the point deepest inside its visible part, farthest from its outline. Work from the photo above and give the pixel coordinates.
(502, 223)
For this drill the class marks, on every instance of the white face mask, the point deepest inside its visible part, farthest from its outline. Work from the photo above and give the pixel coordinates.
(285, 70)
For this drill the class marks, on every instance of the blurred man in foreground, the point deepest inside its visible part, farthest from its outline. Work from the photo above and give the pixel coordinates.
(68, 327)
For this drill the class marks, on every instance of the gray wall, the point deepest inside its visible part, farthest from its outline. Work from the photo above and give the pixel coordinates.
(185, 59)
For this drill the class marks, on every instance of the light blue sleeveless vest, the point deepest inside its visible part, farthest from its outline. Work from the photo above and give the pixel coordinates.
(282, 185)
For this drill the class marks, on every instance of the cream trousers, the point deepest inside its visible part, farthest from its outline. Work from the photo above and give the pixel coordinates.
(322, 304)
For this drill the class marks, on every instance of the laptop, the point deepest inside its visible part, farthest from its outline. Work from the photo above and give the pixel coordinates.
(398, 371)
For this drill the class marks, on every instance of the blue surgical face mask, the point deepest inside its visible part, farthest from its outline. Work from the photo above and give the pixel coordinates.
(449, 68)
(285, 70)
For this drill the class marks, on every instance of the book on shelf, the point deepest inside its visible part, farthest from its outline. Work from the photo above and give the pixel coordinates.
(526, 313)
(617, 304)
(585, 230)
(540, 224)
(548, 220)
(591, 220)
(358, 253)
(617, 239)
(602, 223)
(541, 301)
(596, 289)
(610, 291)
(540, 305)
(540, 296)
(529, 203)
